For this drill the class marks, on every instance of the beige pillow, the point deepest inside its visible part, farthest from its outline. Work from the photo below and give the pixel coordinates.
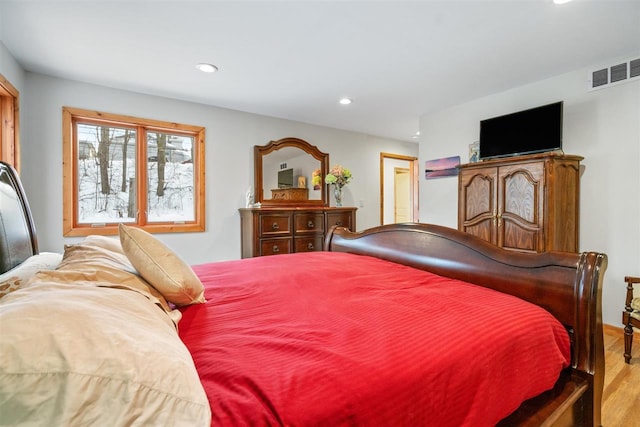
(105, 242)
(161, 267)
(95, 252)
(91, 264)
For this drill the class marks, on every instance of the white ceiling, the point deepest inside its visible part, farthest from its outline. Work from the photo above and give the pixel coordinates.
(294, 59)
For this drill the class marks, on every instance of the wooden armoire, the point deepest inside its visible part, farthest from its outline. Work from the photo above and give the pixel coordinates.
(527, 203)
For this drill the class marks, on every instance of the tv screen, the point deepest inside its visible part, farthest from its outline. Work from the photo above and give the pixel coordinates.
(285, 178)
(530, 131)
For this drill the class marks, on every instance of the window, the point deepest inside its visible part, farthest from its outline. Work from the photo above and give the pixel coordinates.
(137, 171)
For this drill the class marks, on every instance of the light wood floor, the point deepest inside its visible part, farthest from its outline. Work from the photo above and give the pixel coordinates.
(621, 397)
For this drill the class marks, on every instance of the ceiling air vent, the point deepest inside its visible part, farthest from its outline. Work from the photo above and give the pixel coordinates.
(621, 72)
(600, 77)
(635, 68)
(618, 72)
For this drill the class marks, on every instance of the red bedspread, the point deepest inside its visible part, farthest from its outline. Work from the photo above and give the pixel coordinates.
(332, 339)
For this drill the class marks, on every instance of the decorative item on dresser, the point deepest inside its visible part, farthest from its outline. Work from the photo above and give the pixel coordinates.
(338, 177)
(525, 203)
(272, 230)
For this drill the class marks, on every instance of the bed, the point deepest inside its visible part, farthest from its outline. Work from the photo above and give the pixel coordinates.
(407, 324)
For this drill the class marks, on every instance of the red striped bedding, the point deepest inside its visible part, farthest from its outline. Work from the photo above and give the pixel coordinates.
(333, 339)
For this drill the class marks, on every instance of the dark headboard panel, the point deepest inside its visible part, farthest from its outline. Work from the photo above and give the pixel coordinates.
(17, 232)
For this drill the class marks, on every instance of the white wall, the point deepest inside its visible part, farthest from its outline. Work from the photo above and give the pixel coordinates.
(230, 137)
(603, 126)
(10, 69)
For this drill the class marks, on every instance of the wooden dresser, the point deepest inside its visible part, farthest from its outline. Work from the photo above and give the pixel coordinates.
(283, 230)
(526, 203)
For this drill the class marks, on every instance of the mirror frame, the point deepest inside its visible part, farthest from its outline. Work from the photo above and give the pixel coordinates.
(261, 150)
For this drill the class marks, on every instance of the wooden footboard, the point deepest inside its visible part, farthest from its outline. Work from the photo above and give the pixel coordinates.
(567, 285)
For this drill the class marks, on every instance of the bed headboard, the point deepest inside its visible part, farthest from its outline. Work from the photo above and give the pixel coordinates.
(17, 232)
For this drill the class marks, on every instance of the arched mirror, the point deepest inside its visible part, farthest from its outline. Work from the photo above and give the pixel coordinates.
(284, 172)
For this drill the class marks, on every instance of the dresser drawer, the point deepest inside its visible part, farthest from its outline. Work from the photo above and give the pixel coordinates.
(341, 219)
(275, 225)
(308, 244)
(272, 230)
(275, 246)
(308, 223)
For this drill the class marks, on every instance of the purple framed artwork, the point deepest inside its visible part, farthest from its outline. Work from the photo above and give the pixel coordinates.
(438, 168)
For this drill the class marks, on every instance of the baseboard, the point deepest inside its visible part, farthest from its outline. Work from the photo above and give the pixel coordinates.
(618, 329)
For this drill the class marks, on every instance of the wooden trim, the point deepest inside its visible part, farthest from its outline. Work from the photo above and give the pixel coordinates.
(413, 166)
(128, 121)
(68, 172)
(617, 330)
(259, 151)
(142, 126)
(10, 127)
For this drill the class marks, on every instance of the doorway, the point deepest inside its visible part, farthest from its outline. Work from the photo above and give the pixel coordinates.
(401, 195)
(398, 188)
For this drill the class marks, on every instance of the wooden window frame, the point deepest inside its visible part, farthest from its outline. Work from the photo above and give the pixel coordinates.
(9, 124)
(71, 227)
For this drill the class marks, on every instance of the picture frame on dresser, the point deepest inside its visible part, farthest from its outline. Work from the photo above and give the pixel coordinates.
(474, 152)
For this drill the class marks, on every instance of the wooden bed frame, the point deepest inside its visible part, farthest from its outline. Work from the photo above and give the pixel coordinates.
(567, 285)
(17, 231)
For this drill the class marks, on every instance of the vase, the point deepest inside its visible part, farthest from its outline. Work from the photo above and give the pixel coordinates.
(337, 194)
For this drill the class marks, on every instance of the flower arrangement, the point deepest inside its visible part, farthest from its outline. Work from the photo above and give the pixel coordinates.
(316, 179)
(338, 176)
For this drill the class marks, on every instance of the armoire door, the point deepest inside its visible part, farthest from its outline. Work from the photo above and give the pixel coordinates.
(478, 204)
(520, 216)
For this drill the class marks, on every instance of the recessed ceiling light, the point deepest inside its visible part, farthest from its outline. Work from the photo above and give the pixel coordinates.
(416, 135)
(207, 68)
(561, 1)
(345, 101)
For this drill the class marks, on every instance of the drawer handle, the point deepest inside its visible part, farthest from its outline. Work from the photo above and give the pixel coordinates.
(310, 246)
(310, 224)
(275, 226)
(339, 223)
(275, 249)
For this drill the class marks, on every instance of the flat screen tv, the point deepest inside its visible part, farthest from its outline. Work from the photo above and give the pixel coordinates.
(285, 178)
(535, 130)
